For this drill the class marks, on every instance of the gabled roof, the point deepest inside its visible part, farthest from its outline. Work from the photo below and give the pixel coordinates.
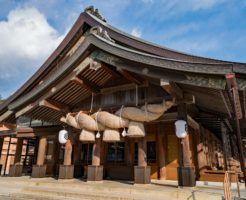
(121, 48)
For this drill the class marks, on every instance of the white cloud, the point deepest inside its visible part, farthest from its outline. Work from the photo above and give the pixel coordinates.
(27, 34)
(26, 39)
(136, 32)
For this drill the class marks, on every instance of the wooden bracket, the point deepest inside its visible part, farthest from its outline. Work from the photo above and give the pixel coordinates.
(110, 70)
(54, 105)
(82, 82)
(176, 92)
(129, 76)
(172, 88)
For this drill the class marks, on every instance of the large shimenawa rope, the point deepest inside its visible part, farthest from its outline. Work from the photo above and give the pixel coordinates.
(130, 117)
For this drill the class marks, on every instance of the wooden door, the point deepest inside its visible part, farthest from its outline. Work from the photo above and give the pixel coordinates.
(172, 157)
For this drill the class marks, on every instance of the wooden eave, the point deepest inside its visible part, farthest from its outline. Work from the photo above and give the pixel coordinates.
(115, 52)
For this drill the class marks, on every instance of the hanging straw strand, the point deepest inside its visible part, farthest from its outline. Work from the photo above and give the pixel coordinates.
(92, 100)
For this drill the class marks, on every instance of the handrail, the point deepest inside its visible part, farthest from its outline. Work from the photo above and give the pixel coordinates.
(227, 185)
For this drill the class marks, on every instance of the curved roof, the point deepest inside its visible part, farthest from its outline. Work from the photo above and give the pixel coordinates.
(126, 46)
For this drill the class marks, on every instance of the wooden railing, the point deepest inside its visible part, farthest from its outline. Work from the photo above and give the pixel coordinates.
(227, 185)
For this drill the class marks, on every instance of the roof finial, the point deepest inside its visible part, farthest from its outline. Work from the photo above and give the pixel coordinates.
(95, 12)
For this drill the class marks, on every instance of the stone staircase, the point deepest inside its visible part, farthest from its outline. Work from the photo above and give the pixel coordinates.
(51, 189)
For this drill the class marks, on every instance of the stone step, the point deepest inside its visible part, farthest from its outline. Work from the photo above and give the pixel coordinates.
(75, 189)
(23, 196)
(83, 188)
(124, 195)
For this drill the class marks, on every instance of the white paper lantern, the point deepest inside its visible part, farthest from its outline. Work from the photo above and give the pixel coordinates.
(63, 136)
(181, 128)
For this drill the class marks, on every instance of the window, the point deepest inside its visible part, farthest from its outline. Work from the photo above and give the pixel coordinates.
(151, 152)
(61, 154)
(86, 154)
(49, 150)
(116, 152)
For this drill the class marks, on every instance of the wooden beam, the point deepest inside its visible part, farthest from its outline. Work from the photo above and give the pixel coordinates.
(24, 110)
(188, 98)
(172, 88)
(82, 82)
(54, 105)
(7, 126)
(6, 115)
(225, 103)
(124, 87)
(176, 92)
(56, 88)
(129, 76)
(228, 125)
(193, 123)
(32, 132)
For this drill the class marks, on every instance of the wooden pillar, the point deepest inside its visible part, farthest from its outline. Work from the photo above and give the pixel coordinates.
(18, 151)
(95, 171)
(182, 114)
(39, 170)
(186, 152)
(68, 152)
(161, 154)
(41, 150)
(1, 148)
(15, 170)
(96, 153)
(142, 171)
(66, 171)
(186, 173)
(142, 158)
(224, 143)
(1, 145)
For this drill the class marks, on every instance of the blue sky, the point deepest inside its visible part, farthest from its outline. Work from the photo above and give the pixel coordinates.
(31, 29)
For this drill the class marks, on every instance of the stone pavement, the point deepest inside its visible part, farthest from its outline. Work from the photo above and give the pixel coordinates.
(51, 189)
